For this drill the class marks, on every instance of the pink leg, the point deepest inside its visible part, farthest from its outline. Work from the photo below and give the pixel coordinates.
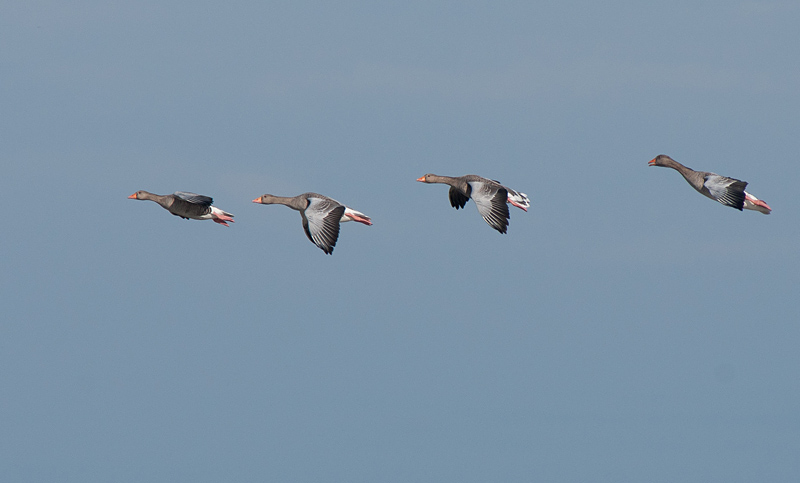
(517, 205)
(359, 219)
(757, 202)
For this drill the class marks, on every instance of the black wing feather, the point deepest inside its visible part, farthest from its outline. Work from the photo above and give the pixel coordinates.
(457, 198)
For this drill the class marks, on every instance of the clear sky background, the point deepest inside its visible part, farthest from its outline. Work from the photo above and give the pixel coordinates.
(626, 329)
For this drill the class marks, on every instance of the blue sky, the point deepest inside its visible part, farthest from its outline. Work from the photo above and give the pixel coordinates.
(625, 329)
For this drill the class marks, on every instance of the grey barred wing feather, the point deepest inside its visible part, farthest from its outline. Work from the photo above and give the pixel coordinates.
(491, 200)
(194, 198)
(321, 222)
(728, 191)
(457, 198)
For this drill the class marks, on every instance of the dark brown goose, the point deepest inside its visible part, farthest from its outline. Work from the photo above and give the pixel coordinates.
(728, 191)
(321, 216)
(490, 197)
(187, 205)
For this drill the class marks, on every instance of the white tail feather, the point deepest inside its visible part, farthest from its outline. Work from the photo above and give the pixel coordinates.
(219, 216)
(753, 203)
(518, 199)
(351, 214)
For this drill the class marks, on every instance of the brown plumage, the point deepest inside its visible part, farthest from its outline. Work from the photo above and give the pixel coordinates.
(321, 216)
(490, 197)
(187, 206)
(728, 191)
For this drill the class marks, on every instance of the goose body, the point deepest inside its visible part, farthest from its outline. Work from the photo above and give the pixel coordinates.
(321, 216)
(490, 197)
(728, 191)
(187, 206)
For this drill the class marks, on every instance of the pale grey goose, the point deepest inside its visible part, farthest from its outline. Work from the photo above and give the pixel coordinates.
(490, 197)
(728, 191)
(321, 216)
(187, 205)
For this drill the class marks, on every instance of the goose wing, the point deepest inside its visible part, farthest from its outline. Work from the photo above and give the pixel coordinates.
(491, 199)
(457, 197)
(193, 198)
(728, 191)
(321, 222)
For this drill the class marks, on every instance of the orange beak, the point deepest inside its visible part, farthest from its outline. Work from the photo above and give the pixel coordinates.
(133, 197)
(421, 178)
(652, 162)
(257, 200)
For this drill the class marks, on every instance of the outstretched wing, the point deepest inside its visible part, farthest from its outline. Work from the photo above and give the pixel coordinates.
(728, 191)
(491, 201)
(321, 222)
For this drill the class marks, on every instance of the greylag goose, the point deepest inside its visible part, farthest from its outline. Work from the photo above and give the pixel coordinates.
(321, 216)
(187, 205)
(490, 197)
(728, 191)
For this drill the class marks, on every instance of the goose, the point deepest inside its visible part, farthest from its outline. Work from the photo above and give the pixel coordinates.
(187, 205)
(321, 216)
(490, 197)
(728, 191)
